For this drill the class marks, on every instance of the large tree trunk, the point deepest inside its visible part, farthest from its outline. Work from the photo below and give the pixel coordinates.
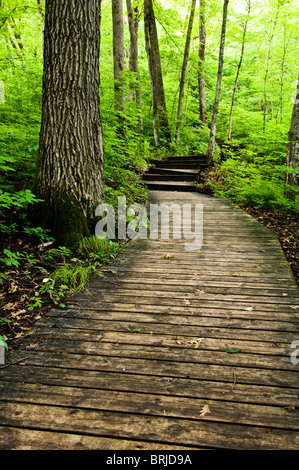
(238, 72)
(70, 166)
(184, 71)
(118, 60)
(133, 60)
(160, 118)
(201, 73)
(293, 149)
(212, 140)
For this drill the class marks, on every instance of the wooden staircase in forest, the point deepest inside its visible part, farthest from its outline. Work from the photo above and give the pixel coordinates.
(175, 173)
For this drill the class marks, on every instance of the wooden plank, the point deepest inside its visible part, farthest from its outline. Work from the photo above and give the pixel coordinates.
(118, 277)
(239, 303)
(153, 367)
(167, 353)
(150, 404)
(212, 317)
(252, 274)
(232, 390)
(177, 341)
(29, 439)
(150, 428)
(171, 329)
(196, 288)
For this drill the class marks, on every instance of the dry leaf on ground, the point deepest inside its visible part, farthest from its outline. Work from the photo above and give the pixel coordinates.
(205, 410)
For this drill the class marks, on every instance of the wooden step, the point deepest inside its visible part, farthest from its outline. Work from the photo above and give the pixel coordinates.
(171, 185)
(175, 173)
(170, 177)
(172, 171)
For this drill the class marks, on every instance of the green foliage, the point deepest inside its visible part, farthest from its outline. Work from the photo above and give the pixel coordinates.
(9, 258)
(102, 250)
(249, 179)
(3, 343)
(70, 278)
(34, 302)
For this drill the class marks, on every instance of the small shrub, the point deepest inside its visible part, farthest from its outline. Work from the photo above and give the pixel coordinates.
(97, 249)
(71, 278)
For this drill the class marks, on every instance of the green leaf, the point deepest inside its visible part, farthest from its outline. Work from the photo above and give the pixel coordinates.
(3, 343)
(234, 350)
(250, 309)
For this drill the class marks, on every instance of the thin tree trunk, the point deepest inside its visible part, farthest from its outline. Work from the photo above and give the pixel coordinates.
(293, 149)
(184, 70)
(133, 60)
(70, 165)
(266, 104)
(201, 74)
(238, 72)
(285, 46)
(212, 139)
(118, 62)
(160, 118)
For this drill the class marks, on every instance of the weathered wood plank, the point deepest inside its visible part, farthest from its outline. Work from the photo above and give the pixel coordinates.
(150, 428)
(256, 319)
(43, 335)
(153, 367)
(178, 329)
(232, 390)
(169, 314)
(196, 288)
(167, 353)
(150, 404)
(29, 439)
(181, 301)
(253, 275)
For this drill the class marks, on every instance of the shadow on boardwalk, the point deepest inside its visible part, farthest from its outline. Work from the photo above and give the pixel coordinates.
(190, 351)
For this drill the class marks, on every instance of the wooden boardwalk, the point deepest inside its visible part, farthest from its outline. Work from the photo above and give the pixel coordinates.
(191, 351)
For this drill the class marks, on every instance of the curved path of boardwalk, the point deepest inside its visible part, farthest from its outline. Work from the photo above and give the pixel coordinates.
(171, 349)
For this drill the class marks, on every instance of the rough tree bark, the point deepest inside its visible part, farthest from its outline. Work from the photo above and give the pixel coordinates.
(160, 118)
(238, 72)
(201, 65)
(212, 139)
(118, 59)
(70, 165)
(184, 70)
(293, 149)
(133, 60)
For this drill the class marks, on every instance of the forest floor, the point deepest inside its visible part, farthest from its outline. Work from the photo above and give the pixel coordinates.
(20, 285)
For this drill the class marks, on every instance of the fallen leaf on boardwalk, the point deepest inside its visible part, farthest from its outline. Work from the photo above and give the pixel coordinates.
(250, 308)
(196, 342)
(199, 292)
(136, 330)
(186, 301)
(289, 408)
(205, 410)
(168, 256)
